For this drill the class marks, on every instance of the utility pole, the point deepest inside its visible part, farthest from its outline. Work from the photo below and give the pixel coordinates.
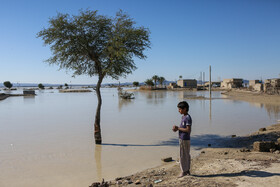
(203, 78)
(210, 83)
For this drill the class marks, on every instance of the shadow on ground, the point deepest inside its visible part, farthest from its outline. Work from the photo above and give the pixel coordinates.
(197, 141)
(211, 140)
(251, 173)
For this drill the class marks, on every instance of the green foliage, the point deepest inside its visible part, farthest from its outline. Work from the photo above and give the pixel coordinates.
(66, 84)
(135, 83)
(8, 84)
(93, 44)
(149, 82)
(161, 80)
(155, 78)
(41, 86)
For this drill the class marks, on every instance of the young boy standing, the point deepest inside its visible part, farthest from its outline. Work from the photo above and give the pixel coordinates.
(184, 138)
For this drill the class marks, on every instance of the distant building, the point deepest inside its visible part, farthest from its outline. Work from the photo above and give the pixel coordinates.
(187, 83)
(29, 92)
(273, 82)
(172, 85)
(272, 85)
(214, 84)
(231, 83)
(258, 87)
(252, 83)
(255, 85)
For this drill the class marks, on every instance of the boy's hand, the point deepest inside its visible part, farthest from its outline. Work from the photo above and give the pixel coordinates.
(175, 128)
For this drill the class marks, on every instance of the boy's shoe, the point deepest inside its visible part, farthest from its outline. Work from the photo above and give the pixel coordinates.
(184, 174)
(181, 175)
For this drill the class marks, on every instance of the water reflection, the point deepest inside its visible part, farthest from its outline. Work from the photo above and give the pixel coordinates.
(154, 97)
(124, 102)
(210, 109)
(29, 99)
(258, 105)
(186, 95)
(97, 156)
(272, 110)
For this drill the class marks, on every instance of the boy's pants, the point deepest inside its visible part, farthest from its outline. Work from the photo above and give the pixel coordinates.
(185, 157)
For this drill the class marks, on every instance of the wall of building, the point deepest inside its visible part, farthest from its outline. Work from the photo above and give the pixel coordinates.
(187, 83)
(253, 82)
(258, 87)
(231, 83)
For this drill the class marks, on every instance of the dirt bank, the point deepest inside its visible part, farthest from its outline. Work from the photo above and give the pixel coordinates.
(233, 164)
(257, 97)
(3, 96)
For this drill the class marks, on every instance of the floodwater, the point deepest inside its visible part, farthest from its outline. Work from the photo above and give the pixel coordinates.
(47, 140)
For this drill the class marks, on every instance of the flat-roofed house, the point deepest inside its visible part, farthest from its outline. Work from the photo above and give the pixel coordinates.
(187, 83)
(272, 84)
(172, 85)
(256, 85)
(232, 83)
(253, 82)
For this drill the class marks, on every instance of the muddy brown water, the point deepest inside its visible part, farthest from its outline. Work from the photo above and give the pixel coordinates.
(48, 139)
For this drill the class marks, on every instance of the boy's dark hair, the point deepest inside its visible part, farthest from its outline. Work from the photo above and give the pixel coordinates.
(183, 105)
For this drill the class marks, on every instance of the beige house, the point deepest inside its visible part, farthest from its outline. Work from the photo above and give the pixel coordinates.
(271, 83)
(172, 85)
(258, 87)
(252, 83)
(255, 85)
(231, 83)
(187, 83)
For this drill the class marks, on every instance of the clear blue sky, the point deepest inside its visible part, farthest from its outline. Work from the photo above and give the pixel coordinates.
(239, 38)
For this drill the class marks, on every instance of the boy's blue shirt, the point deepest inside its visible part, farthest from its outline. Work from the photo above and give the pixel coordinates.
(186, 120)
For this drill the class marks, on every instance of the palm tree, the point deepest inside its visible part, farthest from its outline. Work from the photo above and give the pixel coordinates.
(155, 78)
(161, 80)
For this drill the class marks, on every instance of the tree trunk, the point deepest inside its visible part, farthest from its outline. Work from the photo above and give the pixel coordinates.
(97, 129)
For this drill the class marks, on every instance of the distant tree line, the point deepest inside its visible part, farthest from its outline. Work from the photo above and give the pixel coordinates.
(154, 80)
(8, 84)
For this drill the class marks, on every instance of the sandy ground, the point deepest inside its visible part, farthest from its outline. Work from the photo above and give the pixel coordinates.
(249, 96)
(232, 163)
(235, 164)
